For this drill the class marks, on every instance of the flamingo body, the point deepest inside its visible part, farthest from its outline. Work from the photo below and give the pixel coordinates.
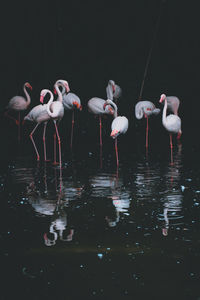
(69, 100)
(113, 91)
(145, 108)
(38, 114)
(173, 103)
(96, 106)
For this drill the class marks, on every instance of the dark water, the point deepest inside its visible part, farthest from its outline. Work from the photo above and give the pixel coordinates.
(92, 232)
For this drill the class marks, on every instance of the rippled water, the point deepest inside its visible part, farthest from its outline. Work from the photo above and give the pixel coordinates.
(91, 232)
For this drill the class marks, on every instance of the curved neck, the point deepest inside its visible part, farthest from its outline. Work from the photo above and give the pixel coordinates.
(28, 98)
(164, 115)
(49, 103)
(60, 98)
(110, 102)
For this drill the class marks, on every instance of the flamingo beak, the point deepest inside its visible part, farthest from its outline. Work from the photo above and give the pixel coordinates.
(55, 92)
(114, 133)
(104, 106)
(113, 88)
(75, 103)
(111, 110)
(41, 99)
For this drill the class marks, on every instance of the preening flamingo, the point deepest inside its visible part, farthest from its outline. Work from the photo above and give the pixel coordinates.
(113, 91)
(19, 103)
(96, 106)
(40, 115)
(71, 102)
(145, 109)
(119, 125)
(172, 123)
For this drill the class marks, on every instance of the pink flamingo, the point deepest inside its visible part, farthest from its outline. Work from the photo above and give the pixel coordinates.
(40, 115)
(71, 102)
(146, 109)
(113, 90)
(172, 123)
(96, 106)
(19, 103)
(119, 125)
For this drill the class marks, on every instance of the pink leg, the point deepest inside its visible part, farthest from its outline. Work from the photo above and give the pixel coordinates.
(54, 138)
(116, 151)
(72, 130)
(44, 141)
(100, 125)
(171, 146)
(19, 127)
(59, 144)
(12, 118)
(31, 137)
(147, 132)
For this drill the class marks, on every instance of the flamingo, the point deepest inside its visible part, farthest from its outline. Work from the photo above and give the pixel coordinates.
(119, 125)
(71, 102)
(113, 91)
(172, 123)
(19, 103)
(96, 106)
(173, 103)
(56, 112)
(40, 115)
(146, 109)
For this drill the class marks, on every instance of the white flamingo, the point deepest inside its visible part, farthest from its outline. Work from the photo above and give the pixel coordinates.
(145, 109)
(119, 125)
(71, 102)
(173, 103)
(113, 91)
(172, 123)
(40, 115)
(19, 103)
(96, 106)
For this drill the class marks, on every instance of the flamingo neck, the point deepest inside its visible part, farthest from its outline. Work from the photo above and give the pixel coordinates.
(115, 108)
(28, 98)
(60, 97)
(49, 103)
(164, 115)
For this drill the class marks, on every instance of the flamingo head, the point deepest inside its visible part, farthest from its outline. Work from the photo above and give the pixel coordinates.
(162, 98)
(42, 95)
(77, 105)
(114, 134)
(64, 83)
(110, 110)
(27, 84)
(112, 83)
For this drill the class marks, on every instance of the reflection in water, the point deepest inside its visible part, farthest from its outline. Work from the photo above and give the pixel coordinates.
(111, 187)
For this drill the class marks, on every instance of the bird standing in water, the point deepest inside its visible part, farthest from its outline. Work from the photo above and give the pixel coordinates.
(146, 109)
(71, 102)
(119, 125)
(172, 123)
(19, 103)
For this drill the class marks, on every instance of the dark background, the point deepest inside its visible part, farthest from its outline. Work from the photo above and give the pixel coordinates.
(89, 42)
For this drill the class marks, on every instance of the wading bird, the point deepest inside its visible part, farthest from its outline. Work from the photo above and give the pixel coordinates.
(71, 102)
(145, 109)
(96, 106)
(172, 123)
(19, 103)
(119, 125)
(113, 91)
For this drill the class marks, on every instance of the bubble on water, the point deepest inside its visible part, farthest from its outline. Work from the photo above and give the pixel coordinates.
(182, 188)
(100, 255)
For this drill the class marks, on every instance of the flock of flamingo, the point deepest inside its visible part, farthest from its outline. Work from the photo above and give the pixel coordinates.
(54, 110)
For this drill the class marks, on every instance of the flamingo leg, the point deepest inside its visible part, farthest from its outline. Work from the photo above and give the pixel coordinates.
(100, 127)
(31, 137)
(59, 142)
(147, 132)
(116, 151)
(72, 130)
(54, 146)
(19, 126)
(12, 118)
(171, 146)
(44, 141)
